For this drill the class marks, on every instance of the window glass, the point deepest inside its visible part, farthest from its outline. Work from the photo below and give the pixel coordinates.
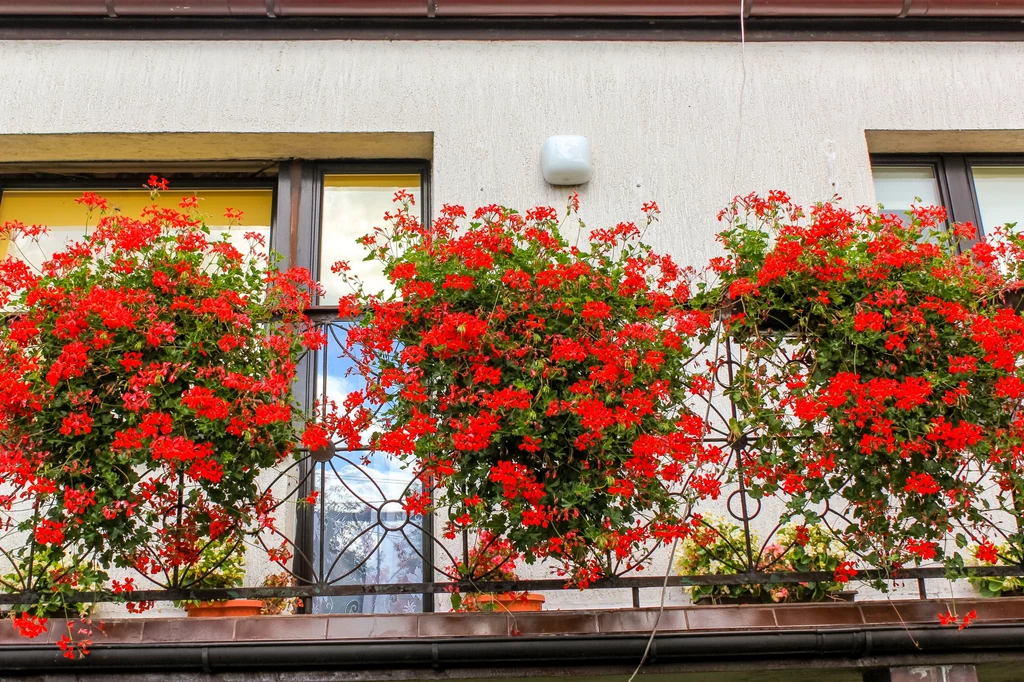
(898, 187)
(1000, 192)
(69, 221)
(352, 206)
(361, 534)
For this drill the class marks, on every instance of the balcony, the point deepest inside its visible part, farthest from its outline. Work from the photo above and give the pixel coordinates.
(376, 588)
(718, 514)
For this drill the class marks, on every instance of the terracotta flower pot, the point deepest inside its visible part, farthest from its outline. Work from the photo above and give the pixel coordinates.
(509, 601)
(238, 608)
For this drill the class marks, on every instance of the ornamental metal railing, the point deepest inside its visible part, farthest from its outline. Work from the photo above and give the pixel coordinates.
(353, 548)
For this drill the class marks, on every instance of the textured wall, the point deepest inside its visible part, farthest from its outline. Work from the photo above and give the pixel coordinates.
(666, 120)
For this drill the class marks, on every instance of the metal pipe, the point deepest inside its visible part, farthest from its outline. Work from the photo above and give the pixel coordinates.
(57, 8)
(824, 8)
(592, 8)
(962, 8)
(520, 8)
(351, 8)
(915, 644)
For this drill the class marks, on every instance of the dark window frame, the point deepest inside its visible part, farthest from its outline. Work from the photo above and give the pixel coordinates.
(125, 182)
(323, 169)
(305, 180)
(955, 177)
(92, 179)
(951, 173)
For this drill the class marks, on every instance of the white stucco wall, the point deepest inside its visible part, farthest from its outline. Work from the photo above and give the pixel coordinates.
(665, 119)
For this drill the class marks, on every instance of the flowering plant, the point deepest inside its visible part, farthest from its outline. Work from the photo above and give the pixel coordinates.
(492, 559)
(1009, 256)
(879, 369)
(990, 555)
(220, 564)
(540, 388)
(273, 606)
(54, 579)
(720, 548)
(145, 383)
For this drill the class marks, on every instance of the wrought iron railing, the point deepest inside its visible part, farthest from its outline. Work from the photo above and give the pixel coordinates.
(354, 548)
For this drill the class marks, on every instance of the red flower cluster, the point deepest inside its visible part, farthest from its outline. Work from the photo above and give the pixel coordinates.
(949, 618)
(844, 572)
(541, 387)
(145, 382)
(898, 372)
(29, 626)
(492, 559)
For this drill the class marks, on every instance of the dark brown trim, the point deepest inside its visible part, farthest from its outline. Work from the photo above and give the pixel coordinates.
(306, 247)
(955, 178)
(684, 29)
(121, 180)
(522, 8)
(295, 195)
(959, 189)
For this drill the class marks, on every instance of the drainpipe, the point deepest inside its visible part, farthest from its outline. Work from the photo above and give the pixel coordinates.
(898, 645)
(520, 8)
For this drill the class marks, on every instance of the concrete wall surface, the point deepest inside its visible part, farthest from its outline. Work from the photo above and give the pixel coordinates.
(665, 119)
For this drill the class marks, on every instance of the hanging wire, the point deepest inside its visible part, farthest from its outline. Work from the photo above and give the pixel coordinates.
(675, 543)
(735, 162)
(742, 100)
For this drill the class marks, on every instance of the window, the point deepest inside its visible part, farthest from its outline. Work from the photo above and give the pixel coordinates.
(357, 532)
(353, 204)
(69, 221)
(985, 190)
(1000, 193)
(897, 187)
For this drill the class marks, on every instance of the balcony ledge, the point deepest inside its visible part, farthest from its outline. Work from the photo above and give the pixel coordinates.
(850, 635)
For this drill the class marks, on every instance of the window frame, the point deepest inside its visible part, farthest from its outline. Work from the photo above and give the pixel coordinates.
(124, 182)
(120, 183)
(305, 180)
(296, 233)
(93, 179)
(323, 169)
(955, 177)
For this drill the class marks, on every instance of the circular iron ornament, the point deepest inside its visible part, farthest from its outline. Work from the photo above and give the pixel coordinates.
(392, 507)
(724, 371)
(324, 454)
(739, 494)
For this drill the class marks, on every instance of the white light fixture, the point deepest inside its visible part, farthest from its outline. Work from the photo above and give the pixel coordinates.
(566, 160)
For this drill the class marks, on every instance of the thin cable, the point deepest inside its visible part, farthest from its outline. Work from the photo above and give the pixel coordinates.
(743, 32)
(735, 170)
(743, 92)
(675, 544)
(661, 610)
